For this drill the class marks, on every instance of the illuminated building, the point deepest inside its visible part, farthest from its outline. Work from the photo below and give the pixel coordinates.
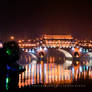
(62, 41)
(53, 41)
(26, 44)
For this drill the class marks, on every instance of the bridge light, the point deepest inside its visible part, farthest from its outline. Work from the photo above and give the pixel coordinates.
(73, 70)
(33, 51)
(77, 47)
(41, 56)
(34, 61)
(77, 62)
(84, 68)
(30, 50)
(19, 41)
(26, 50)
(83, 62)
(45, 49)
(83, 50)
(40, 48)
(23, 49)
(87, 67)
(87, 50)
(73, 48)
(80, 69)
(80, 49)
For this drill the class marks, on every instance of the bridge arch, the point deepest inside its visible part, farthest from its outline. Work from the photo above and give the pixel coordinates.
(26, 58)
(41, 51)
(90, 58)
(68, 61)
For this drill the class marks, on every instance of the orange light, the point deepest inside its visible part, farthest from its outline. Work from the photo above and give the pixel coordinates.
(77, 62)
(29, 40)
(1, 45)
(58, 37)
(83, 62)
(41, 62)
(19, 41)
(76, 49)
(12, 37)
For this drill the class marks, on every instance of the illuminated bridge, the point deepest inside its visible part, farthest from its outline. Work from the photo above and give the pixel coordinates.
(64, 44)
(49, 60)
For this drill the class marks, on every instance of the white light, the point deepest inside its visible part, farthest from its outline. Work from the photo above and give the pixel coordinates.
(84, 50)
(37, 49)
(77, 46)
(80, 49)
(80, 69)
(45, 49)
(34, 61)
(23, 49)
(73, 49)
(26, 50)
(73, 70)
(87, 50)
(40, 48)
(68, 62)
(30, 50)
(33, 51)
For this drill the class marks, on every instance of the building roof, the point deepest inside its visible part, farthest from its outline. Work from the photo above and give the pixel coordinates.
(58, 37)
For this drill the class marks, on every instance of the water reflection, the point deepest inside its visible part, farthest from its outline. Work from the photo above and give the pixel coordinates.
(51, 73)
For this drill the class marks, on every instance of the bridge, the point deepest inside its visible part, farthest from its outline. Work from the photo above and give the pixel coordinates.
(32, 55)
(64, 44)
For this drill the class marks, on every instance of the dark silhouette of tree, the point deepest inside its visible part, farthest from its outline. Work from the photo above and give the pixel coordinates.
(9, 54)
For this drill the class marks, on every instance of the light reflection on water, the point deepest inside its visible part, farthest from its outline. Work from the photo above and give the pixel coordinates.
(51, 73)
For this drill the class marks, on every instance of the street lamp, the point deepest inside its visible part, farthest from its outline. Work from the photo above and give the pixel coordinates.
(1, 45)
(12, 37)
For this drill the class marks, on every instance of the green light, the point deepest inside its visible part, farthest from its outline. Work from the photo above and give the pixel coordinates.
(8, 52)
(7, 87)
(20, 67)
(83, 67)
(7, 83)
(7, 80)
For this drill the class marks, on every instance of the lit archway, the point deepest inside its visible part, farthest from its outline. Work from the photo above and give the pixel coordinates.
(68, 61)
(90, 58)
(26, 58)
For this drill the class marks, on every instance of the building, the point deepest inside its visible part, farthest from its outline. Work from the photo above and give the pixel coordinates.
(53, 41)
(62, 41)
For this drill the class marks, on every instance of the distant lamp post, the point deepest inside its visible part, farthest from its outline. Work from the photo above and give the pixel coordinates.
(1, 45)
(12, 37)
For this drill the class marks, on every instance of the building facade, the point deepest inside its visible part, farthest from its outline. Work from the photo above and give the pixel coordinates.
(62, 41)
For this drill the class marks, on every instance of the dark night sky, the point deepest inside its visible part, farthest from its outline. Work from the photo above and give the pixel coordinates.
(23, 18)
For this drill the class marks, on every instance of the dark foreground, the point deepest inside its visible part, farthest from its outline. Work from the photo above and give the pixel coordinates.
(79, 85)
